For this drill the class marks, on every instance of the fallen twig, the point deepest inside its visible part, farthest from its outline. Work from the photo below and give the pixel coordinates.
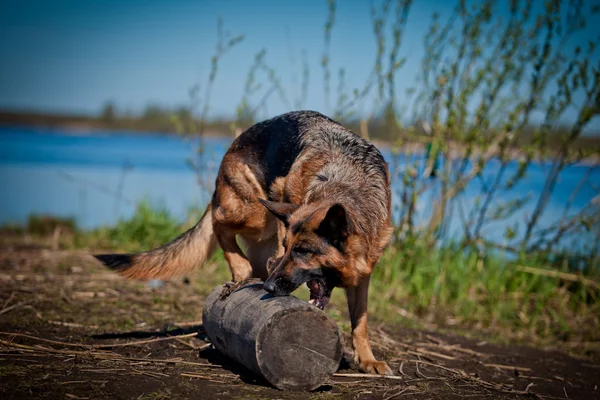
(507, 367)
(10, 298)
(367, 376)
(103, 370)
(434, 354)
(151, 374)
(99, 346)
(454, 371)
(72, 324)
(454, 348)
(419, 373)
(400, 393)
(401, 369)
(104, 355)
(51, 350)
(184, 324)
(14, 306)
(104, 346)
(208, 378)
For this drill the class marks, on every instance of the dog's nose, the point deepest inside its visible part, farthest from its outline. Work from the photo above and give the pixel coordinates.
(269, 286)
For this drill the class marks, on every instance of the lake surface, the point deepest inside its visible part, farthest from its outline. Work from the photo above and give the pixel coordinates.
(98, 177)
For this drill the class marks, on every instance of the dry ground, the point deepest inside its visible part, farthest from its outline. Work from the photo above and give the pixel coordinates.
(71, 329)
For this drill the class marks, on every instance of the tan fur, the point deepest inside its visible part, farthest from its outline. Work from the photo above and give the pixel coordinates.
(277, 190)
(310, 165)
(179, 257)
(357, 306)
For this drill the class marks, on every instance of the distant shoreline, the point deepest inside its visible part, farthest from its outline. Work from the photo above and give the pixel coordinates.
(217, 129)
(90, 124)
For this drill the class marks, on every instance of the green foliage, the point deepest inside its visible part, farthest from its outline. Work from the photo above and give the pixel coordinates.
(42, 225)
(148, 228)
(451, 286)
(46, 225)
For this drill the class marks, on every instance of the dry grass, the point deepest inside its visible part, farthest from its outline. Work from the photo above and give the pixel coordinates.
(92, 333)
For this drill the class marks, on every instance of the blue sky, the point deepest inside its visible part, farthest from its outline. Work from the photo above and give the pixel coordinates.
(73, 56)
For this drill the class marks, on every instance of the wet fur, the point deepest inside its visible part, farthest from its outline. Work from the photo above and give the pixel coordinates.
(330, 187)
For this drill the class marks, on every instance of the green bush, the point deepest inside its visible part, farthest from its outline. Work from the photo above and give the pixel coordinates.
(147, 228)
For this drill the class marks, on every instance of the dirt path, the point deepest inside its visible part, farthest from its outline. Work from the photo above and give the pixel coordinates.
(70, 329)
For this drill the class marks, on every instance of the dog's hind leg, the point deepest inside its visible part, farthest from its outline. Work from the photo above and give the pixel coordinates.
(236, 211)
(259, 253)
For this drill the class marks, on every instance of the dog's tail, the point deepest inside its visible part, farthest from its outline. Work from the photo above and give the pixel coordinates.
(178, 257)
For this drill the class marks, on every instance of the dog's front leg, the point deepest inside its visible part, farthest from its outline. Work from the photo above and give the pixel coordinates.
(357, 306)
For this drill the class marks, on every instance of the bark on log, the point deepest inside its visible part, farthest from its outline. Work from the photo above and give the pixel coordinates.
(289, 342)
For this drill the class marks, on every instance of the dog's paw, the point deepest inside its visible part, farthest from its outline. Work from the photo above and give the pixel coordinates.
(375, 367)
(230, 287)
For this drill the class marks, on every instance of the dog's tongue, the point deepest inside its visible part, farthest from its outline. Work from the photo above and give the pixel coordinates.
(313, 285)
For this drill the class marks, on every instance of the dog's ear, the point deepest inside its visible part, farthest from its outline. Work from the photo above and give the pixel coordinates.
(281, 210)
(336, 226)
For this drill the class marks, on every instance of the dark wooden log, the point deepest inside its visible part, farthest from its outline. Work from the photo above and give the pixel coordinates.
(289, 342)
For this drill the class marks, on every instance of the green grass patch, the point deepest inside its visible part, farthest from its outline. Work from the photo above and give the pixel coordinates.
(148, 227)
(459, 288)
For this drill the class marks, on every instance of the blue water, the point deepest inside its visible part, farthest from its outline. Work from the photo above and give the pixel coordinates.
(72, 173)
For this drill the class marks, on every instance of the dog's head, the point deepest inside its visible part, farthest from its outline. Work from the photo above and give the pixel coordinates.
(321, 249)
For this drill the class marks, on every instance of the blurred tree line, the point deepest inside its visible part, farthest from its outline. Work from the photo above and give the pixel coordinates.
(157, 118)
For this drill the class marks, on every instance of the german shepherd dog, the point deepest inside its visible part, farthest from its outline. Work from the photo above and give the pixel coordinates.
(311, 202)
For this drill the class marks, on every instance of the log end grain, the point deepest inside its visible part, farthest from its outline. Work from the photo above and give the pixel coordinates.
(292, 344)
(299, 349)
